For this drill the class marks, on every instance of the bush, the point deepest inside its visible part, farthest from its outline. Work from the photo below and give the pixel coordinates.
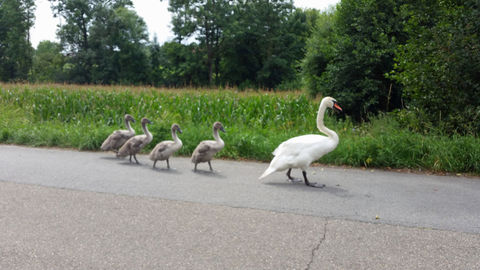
(440, 64)
(350, 52)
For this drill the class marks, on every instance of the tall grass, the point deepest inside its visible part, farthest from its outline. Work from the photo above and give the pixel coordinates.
(82, 117)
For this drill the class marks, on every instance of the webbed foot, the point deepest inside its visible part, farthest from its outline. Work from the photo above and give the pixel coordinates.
(311, 184)
(315, 185)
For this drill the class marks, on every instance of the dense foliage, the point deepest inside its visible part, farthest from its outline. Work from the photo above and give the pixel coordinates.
(207, 19)
(255, 123)
(439, 66)
(423, 57)
(16, 18)
(244, 43)
(105, 41)
(356, 52)
(49, 62)
(320, 50)
(263, 44)
(419, 59)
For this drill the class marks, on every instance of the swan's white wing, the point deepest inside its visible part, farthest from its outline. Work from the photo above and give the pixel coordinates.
(299, 152)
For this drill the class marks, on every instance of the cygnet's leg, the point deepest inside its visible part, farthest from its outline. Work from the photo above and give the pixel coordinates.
(209, 164)
(195, 169)
(155, 162)
(290, 178)
(130, 158)
(311, 184)
(135, 157)
(168, 164)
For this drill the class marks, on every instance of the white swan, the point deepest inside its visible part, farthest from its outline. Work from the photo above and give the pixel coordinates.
(165, 149)
(136, 143)
(207, 149)
(301, 151)
(119, 137)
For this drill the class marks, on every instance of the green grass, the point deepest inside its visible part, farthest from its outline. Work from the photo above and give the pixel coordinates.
(83, 116)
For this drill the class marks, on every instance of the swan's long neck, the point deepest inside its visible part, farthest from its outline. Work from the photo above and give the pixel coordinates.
(321, 126)
(217, 136)
(127, 123)
(145, 131)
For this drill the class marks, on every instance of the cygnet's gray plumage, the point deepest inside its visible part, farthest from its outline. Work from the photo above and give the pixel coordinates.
(119, 137)
(207, 149)
(136, 143)
(165, 149)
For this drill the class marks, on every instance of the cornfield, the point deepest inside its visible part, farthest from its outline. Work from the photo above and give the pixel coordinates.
(107, 107)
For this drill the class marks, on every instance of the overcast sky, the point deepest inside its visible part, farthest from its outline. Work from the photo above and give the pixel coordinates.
(154, 12)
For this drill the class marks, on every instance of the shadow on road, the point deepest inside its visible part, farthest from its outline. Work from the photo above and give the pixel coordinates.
(110, 158)
(208, 173)
(334, 190)
(165, 170)
(134, 164)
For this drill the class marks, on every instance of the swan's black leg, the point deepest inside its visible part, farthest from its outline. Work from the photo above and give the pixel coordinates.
(155, 162)
(290, 178)
(209, 164)
(310, 184)
(168, 164)
(195, 169)
(134, 156)
(130, 158)
(288, 174)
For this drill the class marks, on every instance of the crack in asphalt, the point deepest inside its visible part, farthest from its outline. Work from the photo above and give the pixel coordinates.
(317, 247)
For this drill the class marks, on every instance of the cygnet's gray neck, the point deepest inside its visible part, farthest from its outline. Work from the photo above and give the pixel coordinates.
(217, 136)
(129, 127)
(175, 136)
(146, 131)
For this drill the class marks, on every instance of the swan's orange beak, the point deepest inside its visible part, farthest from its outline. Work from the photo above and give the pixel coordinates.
(336, 106)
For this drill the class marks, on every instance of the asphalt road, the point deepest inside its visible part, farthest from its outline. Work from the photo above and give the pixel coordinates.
(63, 209)
(438, 202)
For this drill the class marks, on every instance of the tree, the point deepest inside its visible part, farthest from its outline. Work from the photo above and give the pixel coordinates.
(439, 65)
(366, 35)
(48, 62)
(74, 34)
(181, 65)
(286, 48)
(320, 50)
(204, 19)
(263, 43)
(16, 19)
(155, 56)
(118, 39)
(105, 41)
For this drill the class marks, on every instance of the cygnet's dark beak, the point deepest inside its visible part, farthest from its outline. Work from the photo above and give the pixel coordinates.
(179, 130)
(222, 129)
